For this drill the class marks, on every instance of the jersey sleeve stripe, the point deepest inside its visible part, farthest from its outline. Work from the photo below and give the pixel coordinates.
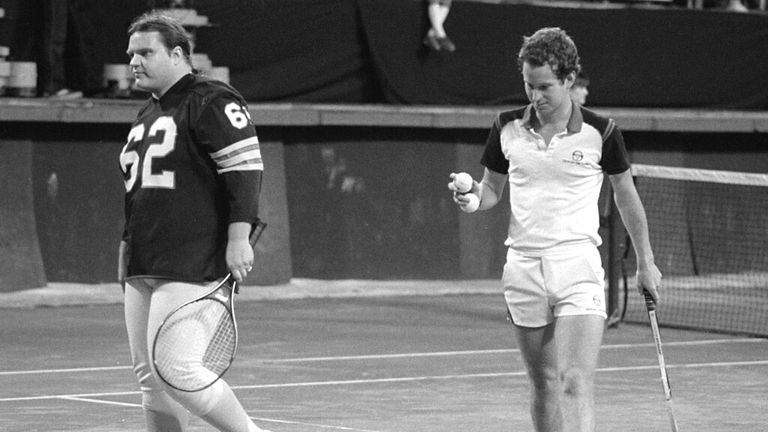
(233, 148)
(244, 160)
(608, 129)
(243, 155)
(242, 167)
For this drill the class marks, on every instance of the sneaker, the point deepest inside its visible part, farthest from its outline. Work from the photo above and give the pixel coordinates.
(446, 44)
(432, 42)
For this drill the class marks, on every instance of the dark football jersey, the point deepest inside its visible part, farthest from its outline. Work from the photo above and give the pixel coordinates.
(191, 165)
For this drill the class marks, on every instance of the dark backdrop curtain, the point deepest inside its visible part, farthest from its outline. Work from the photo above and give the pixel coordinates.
(370, 51)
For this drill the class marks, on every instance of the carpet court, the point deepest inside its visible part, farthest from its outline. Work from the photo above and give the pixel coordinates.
(369, 357)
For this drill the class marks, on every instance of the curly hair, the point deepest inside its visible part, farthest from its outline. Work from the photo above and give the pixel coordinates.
(550, 46)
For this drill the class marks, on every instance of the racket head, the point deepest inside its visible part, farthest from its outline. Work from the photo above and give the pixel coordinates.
(196, 343)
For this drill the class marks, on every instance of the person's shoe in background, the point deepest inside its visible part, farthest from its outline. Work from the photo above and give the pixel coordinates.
(446, 44)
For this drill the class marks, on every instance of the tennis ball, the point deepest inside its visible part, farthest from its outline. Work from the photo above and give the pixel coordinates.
(463, 182)
(472, 205)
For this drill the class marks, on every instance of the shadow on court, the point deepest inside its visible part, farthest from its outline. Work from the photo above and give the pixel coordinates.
(413, 363)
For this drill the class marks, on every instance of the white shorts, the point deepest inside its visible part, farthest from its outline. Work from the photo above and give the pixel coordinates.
(538, 289)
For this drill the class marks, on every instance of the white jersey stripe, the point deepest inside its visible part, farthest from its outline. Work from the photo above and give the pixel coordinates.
(243, 167)
(243, 155)
(251, 141)
(609, 129)
(235, 159)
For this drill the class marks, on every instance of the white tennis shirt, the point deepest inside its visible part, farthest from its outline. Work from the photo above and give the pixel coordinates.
(554, 189)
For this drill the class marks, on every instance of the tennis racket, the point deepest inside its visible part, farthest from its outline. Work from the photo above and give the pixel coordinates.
(196, 343)
(650, 305)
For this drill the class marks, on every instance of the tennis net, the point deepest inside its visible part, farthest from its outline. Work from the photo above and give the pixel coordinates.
(709, 233)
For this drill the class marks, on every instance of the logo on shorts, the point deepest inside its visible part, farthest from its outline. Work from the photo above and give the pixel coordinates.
(597, 301)
(577, 155)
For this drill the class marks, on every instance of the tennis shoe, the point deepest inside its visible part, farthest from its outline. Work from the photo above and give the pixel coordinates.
(446, 44)
(432, 42)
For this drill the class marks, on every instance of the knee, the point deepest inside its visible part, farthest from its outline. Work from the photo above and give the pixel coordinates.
(187, 372)
(544, 380)
(576, 382)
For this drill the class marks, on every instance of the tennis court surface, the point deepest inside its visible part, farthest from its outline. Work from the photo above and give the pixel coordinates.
(353, 356)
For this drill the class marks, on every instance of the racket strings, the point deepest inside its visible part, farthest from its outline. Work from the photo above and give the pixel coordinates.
(195, 345)
(220, 349)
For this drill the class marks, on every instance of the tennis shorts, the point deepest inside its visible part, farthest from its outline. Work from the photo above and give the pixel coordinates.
(568, 281)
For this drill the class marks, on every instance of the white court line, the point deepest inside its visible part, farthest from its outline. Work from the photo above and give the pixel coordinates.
(490, 375)
(260, 419)
(501, 351)
(69, 370)
(392, 356)
(403, 379)
(99, 401)
(321, 426)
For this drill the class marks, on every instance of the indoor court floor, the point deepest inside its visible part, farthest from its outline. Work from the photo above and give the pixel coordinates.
(373, 363)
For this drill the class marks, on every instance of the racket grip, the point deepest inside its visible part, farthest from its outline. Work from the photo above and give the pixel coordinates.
(256, 231)
(650, 303)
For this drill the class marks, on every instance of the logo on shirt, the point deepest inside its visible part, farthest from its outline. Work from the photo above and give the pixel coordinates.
(577, 158)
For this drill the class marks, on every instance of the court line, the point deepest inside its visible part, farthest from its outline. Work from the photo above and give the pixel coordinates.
(490, 375)
(322, 426)
(392, 356)
(99, 401)
(69, 370)
(403, 379)
(261, 419)
(497, 351)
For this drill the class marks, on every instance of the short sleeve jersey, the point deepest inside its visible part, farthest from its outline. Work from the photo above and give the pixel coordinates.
(191, 165)
(554, 188)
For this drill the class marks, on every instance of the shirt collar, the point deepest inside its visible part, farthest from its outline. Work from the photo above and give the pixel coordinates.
(179, 87)
(530, 120)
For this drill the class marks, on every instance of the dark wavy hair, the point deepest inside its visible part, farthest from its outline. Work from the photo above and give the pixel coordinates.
(550, 46)
(171, 32)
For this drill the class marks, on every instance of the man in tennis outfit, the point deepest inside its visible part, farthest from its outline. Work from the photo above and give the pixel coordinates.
(192, 169)
(554, 153)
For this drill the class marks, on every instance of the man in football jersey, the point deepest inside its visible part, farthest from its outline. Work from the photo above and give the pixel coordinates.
(192, 169)
(554, 153)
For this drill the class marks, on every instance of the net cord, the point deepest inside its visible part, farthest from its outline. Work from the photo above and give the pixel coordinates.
(701, 175)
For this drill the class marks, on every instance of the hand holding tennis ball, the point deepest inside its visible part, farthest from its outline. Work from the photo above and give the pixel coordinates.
(472, 205)
(463, 182)
(462, 186)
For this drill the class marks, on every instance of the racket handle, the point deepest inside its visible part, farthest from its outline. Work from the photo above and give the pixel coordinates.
(256, 231)
(650, 303)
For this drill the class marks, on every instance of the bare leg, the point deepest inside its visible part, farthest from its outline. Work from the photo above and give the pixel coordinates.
(537, 346)
(437, 15)
(578, 340)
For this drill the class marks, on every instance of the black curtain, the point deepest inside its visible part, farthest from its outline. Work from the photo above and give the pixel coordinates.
(370, 51)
